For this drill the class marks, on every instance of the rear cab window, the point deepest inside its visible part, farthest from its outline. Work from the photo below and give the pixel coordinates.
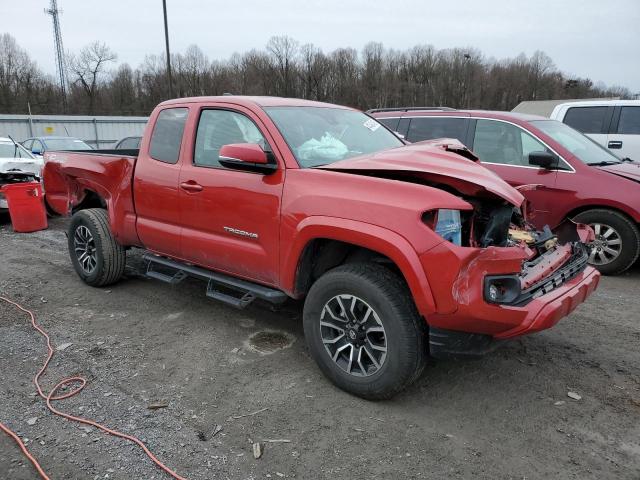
(167, 135)
(429, 128)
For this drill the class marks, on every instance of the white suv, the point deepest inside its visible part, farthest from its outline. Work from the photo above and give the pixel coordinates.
(614, 124)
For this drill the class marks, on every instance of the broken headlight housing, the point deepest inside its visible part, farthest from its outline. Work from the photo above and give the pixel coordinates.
(446, 223)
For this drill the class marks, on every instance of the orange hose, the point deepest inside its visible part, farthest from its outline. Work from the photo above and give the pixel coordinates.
(52, 397)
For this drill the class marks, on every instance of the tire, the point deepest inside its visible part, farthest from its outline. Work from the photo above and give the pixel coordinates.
(89, 232)
(403, 331)
(622, 236)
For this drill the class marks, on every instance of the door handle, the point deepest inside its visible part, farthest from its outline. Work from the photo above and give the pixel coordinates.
(191, 186)
(615, 144)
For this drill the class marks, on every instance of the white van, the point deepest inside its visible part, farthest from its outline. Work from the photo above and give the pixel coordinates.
(614, 124)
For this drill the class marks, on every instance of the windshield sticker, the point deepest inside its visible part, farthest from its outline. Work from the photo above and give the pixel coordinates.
(371, 124)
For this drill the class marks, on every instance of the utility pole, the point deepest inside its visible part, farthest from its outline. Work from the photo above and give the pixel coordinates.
(166, 41)
(57, 38)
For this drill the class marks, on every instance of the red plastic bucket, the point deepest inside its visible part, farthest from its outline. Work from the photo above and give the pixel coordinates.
(26, 206)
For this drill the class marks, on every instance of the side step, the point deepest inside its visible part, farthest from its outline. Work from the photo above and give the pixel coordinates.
(247, 291)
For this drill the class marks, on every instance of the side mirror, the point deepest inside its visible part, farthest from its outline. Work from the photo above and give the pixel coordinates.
(248, 157)
(36, 151)
(546, 160)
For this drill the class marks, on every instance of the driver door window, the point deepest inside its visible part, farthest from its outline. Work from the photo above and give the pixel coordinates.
(222, 127)
(504, 143)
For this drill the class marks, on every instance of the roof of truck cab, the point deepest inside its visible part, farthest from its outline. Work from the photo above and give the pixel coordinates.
(248, 101)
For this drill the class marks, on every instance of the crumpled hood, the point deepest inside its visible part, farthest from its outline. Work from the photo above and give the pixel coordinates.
(630, 170)
(21, 165)
(435, 165)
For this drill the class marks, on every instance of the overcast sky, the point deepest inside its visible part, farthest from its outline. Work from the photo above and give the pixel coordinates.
(590, 38)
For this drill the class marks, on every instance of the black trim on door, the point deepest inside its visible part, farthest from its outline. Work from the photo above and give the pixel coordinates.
(403, 126)
(615, 120)
(471, 133)
(606, 123)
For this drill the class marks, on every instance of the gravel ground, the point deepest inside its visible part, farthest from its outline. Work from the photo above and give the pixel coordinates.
(143, 342)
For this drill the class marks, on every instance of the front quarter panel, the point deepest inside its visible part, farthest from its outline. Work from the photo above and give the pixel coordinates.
(375, 213)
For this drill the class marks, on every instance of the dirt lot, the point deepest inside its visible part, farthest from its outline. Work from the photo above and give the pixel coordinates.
(141, 342)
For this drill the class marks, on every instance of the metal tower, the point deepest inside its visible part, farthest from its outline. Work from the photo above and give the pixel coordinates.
(57, 38)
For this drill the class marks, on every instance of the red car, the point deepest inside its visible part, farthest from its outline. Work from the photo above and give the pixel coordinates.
(398, 251)
(576, 178)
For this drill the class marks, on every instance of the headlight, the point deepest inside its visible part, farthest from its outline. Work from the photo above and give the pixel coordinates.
(446, 223)
(501, 288)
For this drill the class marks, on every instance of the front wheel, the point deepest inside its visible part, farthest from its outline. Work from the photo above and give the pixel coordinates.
(97, 258)
(617, 243)
(363, 330)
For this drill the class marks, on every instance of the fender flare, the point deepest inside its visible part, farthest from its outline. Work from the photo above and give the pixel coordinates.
(366, 235)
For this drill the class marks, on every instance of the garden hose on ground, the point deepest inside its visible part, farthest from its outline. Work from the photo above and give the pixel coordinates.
(79, 384)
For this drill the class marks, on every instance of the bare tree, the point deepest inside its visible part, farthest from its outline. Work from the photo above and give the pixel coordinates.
(88, 67)
(284, 51)
(19, 76)
(374, 77)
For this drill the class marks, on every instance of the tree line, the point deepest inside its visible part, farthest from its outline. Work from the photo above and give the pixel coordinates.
(374, 77)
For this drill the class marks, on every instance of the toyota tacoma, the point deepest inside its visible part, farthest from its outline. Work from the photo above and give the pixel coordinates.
(399, 251)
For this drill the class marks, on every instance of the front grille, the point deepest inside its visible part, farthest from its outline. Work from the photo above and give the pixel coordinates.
(572, 267)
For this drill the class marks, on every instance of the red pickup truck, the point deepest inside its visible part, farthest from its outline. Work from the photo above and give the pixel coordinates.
(399, 251)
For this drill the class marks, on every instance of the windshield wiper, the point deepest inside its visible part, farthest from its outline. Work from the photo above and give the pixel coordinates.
(627, 159)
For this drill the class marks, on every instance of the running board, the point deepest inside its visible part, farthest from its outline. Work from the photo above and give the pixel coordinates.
(247, 291)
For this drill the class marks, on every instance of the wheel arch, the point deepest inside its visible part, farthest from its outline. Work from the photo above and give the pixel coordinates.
(90, 199)
(584, 208)
(322, 243)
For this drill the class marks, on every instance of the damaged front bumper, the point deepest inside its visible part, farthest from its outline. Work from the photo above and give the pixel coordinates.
(551, 286)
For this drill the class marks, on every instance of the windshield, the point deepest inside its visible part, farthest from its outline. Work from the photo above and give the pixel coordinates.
(66, 144)
(9, 150)
(323, 135)
(580, 145)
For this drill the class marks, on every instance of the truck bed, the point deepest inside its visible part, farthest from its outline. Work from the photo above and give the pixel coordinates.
(94, 178)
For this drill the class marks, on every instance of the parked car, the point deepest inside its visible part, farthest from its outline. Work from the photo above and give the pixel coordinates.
(614, 124)
(128, 143)
(391, 246)
(39, 145)
(16, 165)
(577, 178)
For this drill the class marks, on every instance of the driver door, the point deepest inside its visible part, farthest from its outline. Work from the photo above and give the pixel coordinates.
(230, 219)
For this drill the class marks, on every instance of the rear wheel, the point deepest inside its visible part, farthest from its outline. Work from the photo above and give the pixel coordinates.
(96, 256)
(617, 243)
(363, 330)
